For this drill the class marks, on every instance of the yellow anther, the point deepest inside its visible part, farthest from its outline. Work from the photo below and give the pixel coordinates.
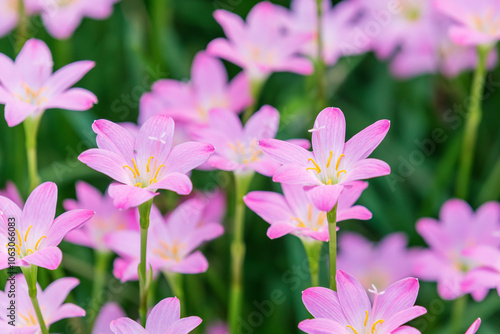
(240, 147)
(231, 146)
(245, 161)
(26, 235)
(135, 167)
(147, 166)
(355, 331)
(32, 318)
(341, 171)
(138, 184)
(366, 318)
(321, 219)
(135, 175)
(329, 182)
(375, 324)
(329, 159)
(338, 161)
(19, 237)
(300, 222)
(28, 251)
(38, 242)
(24, 317)
(309, 212)
(316, 167)
(156, 175)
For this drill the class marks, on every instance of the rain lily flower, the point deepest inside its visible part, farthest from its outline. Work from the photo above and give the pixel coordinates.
(9, 15)
(294, 213)
(165, 317)
(143, 163)
(381, 264)
(349, 310)
(458, 229)
(31, 235)
(108, 313)
(107, 218)
(260, 46)
(333, 164)
(474, 327)
(28, 87)
(51, 302)
(210, 207)
(487, 273)
(12, 193)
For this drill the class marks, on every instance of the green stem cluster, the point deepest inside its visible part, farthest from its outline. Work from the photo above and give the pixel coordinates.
(144, 211)
(332, 245)
(30, 274)
(31, 125)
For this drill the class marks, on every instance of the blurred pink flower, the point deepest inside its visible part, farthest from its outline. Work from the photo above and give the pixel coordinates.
(207, 207)
(28, 87)
(108, 313)
(218, 328)
(165, 318)
(36, 234)
(474, 327)
(458, 229)
(294, 213)
(259, 45)
(350, 309)
(107, 218)
(487, 273)
(51, 302)
(9, 15)
(143, 163)
(333, 162)
(12, 193)
(379, 265)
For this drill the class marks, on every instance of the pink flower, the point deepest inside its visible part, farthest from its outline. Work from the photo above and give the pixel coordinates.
(107, 218)
(51, 304)
(61, 18)
(217, 328)
(12, 193)
(259, 45)
(31, 235)
(294, 213)
(379, 265)
(210, 207)
(458, 229)
(171, 243)
(28, 87)
(9, 15)
(474, 327)
(108, 313)
(143, 163)
(486, 275)
(333, 164)
(165, 318)
(349, 310)
(476, 22)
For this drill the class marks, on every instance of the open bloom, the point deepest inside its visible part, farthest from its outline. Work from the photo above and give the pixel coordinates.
(294, 213)
(108, 313)
(31, 235)
(260, 46)
(12, 193)
(474, 327)
(164, 318)
(349, 310)
(207, 207)
(28, 87)
(487, 273)
(51, 302)
(457, 230)
(143, 163)
(9, 15)
(333, 164)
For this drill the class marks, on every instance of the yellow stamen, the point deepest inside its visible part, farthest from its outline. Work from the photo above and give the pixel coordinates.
(19, 237)
(329, 159)
(32, 319)
(301, 223)
(338, 161)
(366, 318)
(135, 175)
(375, 324)
(316, 167)
(26, 235)
(138, 184)
(28, 251)
(240, 147)
(245, 161)
(231, 146)
(24, 317)
(38, 242)
(341, 171)
(355, 331)
(321, 219)
(135, 167)
(309, 212)
(154, 179)
(147, 166)
(329, 182)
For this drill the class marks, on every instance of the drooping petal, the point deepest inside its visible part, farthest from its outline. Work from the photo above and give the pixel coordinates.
(324, 197)
(163, 315)
(65, 223)
(49, 257)
(125, 196)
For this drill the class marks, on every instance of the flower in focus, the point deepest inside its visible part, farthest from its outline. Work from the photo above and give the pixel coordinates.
(12, 193)
(350, 311)
(108, 313)
(28, 87)
(9, 15)
(333, 164)
(37, 234)
(457, 230)
(165, 317)
(487, 273)
(294, 213)
(143, 163)
(51, 304)
(474, 327)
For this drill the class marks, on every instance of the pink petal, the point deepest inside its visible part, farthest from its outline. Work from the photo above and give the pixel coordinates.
(184, 325)
(456, 213)
(8, 75)
(367, 169)
(221, 48)
(361, 145)
(114, 138)
(155, 138)
(73, 99)
(352, 298)
(225, 122)
(434, 234)
(263, 124)
(295, 174)
(68, 76)
(474, 327)
(108, 313)
(187, 156)
(57, 291)
(125, 243)
(8, 209)
(323, 303)
(397, 297)
(284, 152)
(279, 229)
(356, 212)
(321, 326)
(465, 36)
(65, 223)
(17, 111)
(298, 65)
(177, 182)
(106, 162)
(239, 93)
(61, 23)
(484, 255)
(265, 166)
(403, 317)
(49, 257)
(126, 326)
(270, 206)
(163, 315)
(221, 163)
(40, 208)
(125, 196)
(193, 264)
(34, 62)
(233, 25)
(208, 76)
(324, 197)
(329, 134)
(68, 311)
(406, 330)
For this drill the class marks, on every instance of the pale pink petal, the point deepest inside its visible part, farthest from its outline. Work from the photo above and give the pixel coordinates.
(352, 298)
(397, 297)
(323, 303)
(239, 93)
(126, 196)
(184, 325)
(78, 99)
(58, 290)
(265, 166)
(484, 255)
(34, 61)
(321, 326)
(233, 25)
(67, 76)
(474, 327)
(366, 169)
(271, 206)
(187, 156)
(114, 138)
(403, 317)
(208, 76)
(295, 174)
(65, 223)
(49, 257)
(221, 163)
(155, 138)
(356, 212)
(361, 145)
(225, 122)
(177, 182)
(406, 330)
(468, 37)
(125, 243)
(298, 65)
(61, 24)
(193, 264)
(67, 311)
(40, 208)
(284, 152)
(263, 124)
(108, 313)
(329, 134)
(8, 75)
(324, 197)
(8, 209)
(279, 229)
(221, 48)
(126, 326)
(163, 315)
(106, 162)
(434, 234)
(17, 111)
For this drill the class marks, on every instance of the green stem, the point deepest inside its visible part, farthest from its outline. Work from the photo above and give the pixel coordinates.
(144, 211)
(30, 273)
(255, 90)
(102, 259)
(332, 245)
(22, 27)
(30, 131)
(472, 124)
(242, 182)
(313, 251)
(457, 314)
(320, 63)
(176, 284)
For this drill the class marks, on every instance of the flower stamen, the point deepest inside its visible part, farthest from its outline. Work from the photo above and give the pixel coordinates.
(338, 161)
(147, 166)
(341, 171)
(316, 166)
(375, 324)
(26, 235)
(38, 242)
(329, 160)
(352, 328)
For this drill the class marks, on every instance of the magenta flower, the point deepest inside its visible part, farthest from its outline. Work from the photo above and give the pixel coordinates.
(9, 15)
(294, 212)
(143, 163)
(333, 164)
(31, 235)
(107, 219)
(260, 46)
(349, 310)
(51, 302)
(474, 327)
(12, 193)
(486, 275)
(165, 318)
(108, 313)
(458, 229)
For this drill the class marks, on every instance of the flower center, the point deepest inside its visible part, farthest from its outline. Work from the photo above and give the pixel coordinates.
(488, 23)
(32, 96)
(22, 249)
(169, 252)
(364, 330)
(246, 154)
(313, 221)
(411, 10)
(149, 176)
(328, 175)
(30, 319)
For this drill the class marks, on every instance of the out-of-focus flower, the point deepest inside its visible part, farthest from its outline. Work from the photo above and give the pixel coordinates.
(12, 193)
(36, 233)
(487, 273)
(458, 229)
(108, 313)
(294, 213)
(207, 207)
(165, 317)
(333, 163)
(28, 87)
(379, 265)
(62, 17)
(51, 302)
(474, 327)
(143, 163)
(219, 328)
(260, 45)
(107, 218)
(9, 15)
(350, 309)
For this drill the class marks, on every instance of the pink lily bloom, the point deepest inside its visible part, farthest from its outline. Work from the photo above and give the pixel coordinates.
(12, 193)
(31, 235)
(51, 302)
(107, 219)
(164, 318)
(294, 213)
(259, 45)
(476, 23)
(236, 147)
(375, 264)
(28, 87)
(350, 311)
(210, 207)
(143, 163)
(172, 242)
(458, 229)
(487, 273)
(474, 327)
(333, 164)
(108, 313)
(9, 16)
(61, 18)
